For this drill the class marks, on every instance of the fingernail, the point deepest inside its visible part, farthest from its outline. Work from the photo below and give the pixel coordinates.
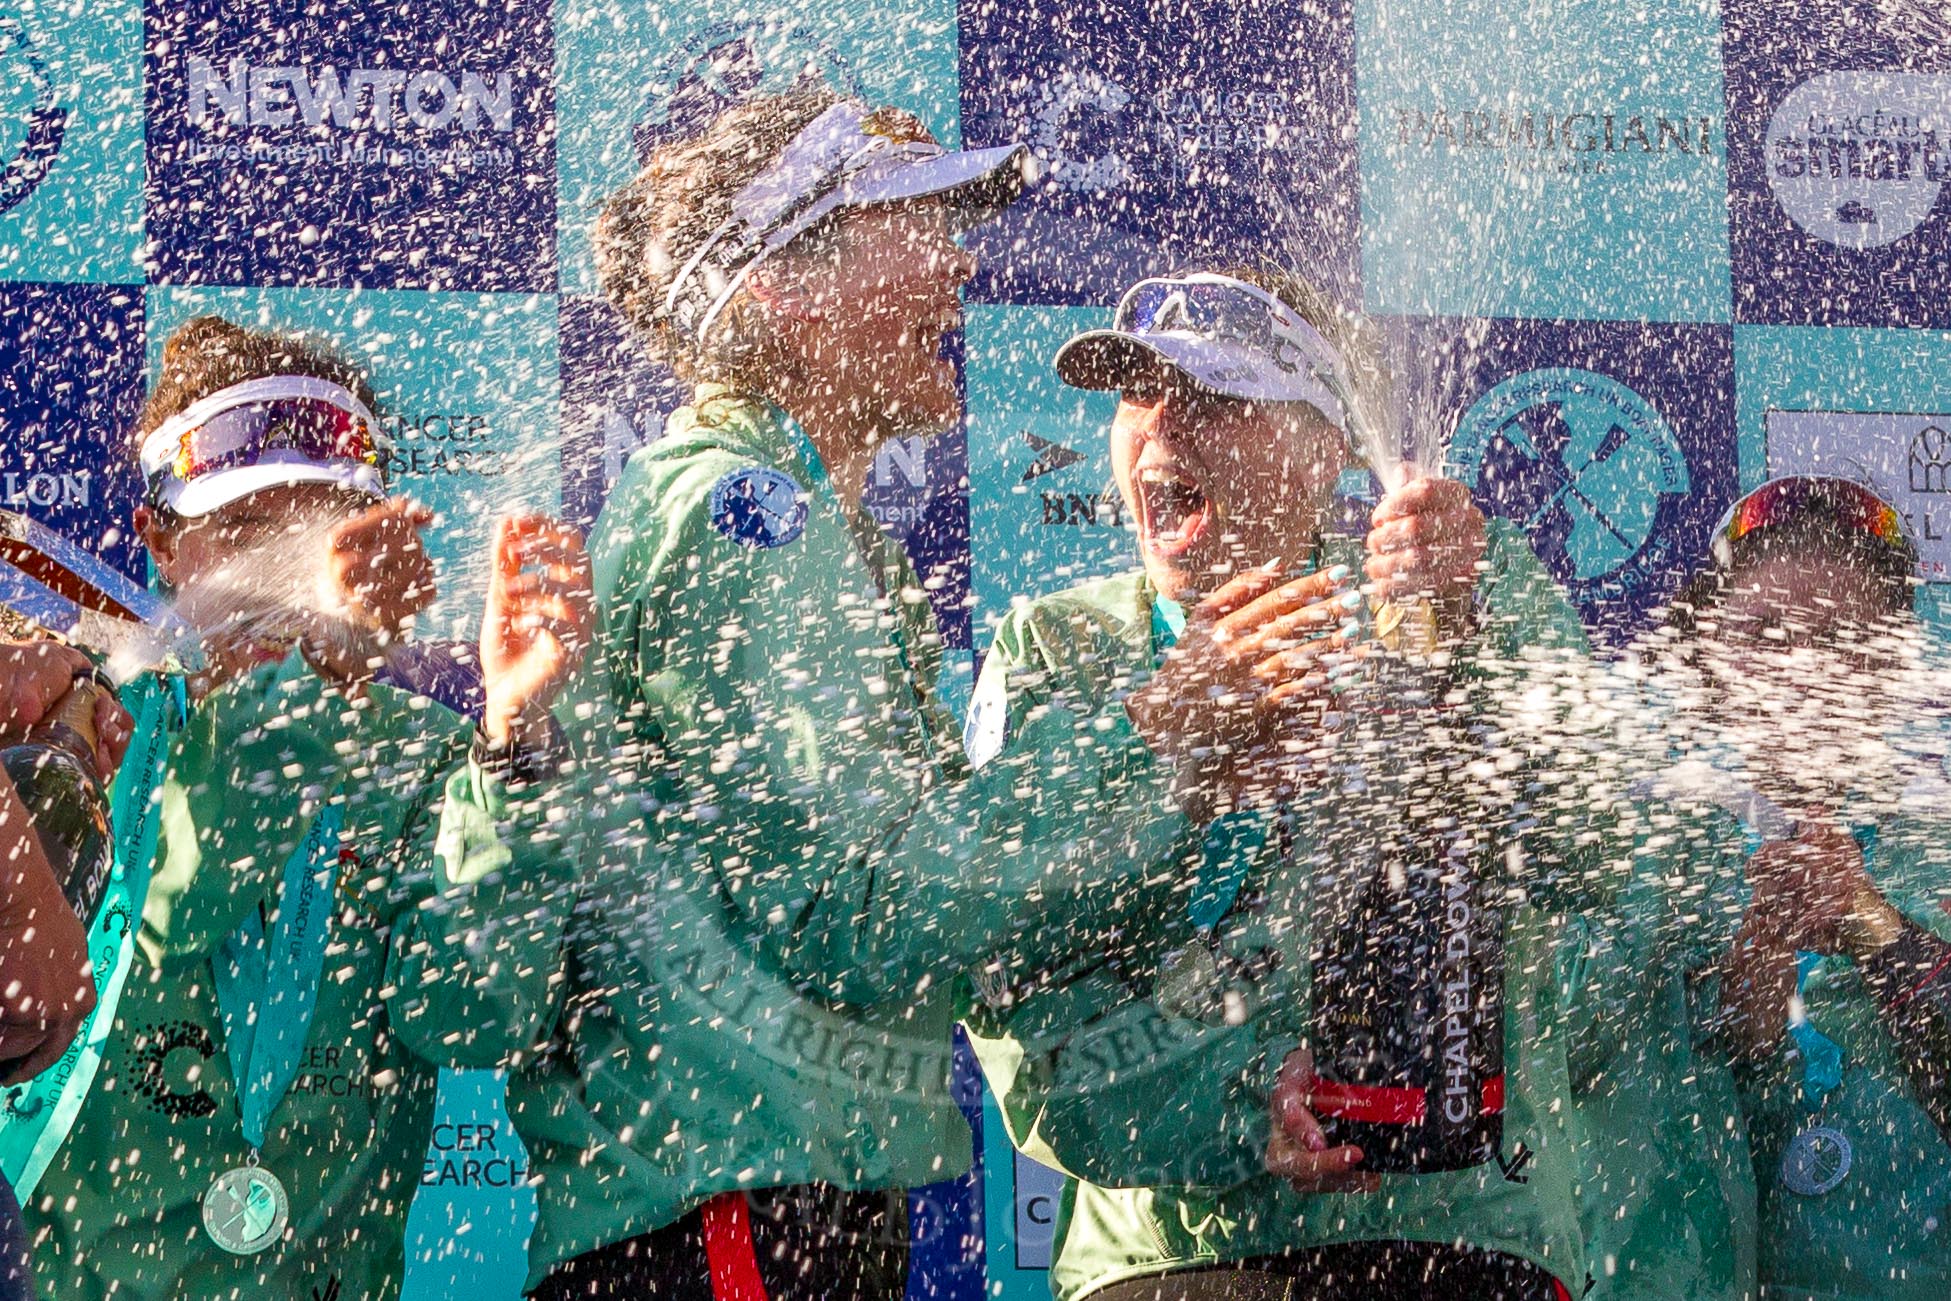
(1352, 601)
(1352, 630)
(1338, 573)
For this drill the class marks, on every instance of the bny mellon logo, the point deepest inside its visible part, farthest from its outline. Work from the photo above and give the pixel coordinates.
(1050, 457)
(46, 121)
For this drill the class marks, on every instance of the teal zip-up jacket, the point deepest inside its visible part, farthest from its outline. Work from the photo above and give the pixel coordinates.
(780, 862)
(1666, 1184)
(1682, 1149)
(1885, 1230)
(1153, 1092)
(119, 1210)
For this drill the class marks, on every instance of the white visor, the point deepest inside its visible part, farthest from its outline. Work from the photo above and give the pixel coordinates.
(264, 433)
(848, 157)
(1229, 337)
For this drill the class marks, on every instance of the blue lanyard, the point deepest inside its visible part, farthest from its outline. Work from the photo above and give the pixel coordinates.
(267, 983)
(1823, 1060)
(1232, 842)
(39, 1114)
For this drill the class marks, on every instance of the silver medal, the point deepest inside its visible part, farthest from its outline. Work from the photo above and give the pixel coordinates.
(1188, 984)
(1816, 1161)
(245, 1210)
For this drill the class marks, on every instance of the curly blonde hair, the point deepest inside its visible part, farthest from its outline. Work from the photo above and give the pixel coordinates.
(652, 227)
(208, 353)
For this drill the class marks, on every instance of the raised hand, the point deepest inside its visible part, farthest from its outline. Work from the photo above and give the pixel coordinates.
(1253, 654)
(1424, 541)
(378, 575)
(538, 621)
(1807, 885)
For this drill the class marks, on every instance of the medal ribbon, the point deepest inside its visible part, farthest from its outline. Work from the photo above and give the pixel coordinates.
(267, 983)
(1822, 1057)
(1232, 841)
(39, 1114)
(1823, 1062)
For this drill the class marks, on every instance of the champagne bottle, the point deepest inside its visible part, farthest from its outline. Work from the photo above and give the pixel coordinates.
(1408, 999)
(54, 771)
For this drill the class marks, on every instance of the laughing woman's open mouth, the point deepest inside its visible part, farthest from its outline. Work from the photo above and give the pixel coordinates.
(1174, 510)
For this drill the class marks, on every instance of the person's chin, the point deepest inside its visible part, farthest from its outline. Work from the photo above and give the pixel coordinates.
(1171, 579)
(927, 409)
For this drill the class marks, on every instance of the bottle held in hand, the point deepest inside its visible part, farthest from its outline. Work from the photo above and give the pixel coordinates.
(54, 771)
(1408, 1026)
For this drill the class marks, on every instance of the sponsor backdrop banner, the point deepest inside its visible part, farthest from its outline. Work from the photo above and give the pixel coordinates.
(1694, 244)
(1581, 181)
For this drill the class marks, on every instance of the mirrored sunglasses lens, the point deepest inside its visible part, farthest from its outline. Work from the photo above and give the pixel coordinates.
(1141, 306)
(244, 435)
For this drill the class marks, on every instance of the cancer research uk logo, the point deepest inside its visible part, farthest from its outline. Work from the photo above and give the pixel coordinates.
(1590, 470)
(1858, 158)
(1095, 136)
(35, 122)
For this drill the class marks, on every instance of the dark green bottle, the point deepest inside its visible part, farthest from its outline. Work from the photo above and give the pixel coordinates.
(54, 771)
(1408, 979)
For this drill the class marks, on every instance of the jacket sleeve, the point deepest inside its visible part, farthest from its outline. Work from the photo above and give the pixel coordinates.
(1547, 714)
(810, 792)
(1654, 938)
(476, 969)
(1910, 979)
(1104, 1085)
(1094, 1074)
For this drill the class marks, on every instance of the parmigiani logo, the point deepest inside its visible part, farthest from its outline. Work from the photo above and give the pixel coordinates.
(378, 99)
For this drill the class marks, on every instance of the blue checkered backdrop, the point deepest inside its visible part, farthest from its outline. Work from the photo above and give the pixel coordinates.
(1690, 245)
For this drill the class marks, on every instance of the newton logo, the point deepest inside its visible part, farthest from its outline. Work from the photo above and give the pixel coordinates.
(1586, 465)
(38, 123)
(377, 99)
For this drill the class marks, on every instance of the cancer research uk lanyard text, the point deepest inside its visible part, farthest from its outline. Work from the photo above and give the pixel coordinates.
(39, 1114)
